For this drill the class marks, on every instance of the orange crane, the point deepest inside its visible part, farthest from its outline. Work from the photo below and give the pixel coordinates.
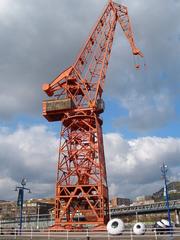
(81, 196)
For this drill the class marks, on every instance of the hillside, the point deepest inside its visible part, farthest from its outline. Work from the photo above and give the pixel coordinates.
(173, 189)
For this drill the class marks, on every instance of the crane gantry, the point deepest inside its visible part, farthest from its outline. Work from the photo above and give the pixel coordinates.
(76, 100)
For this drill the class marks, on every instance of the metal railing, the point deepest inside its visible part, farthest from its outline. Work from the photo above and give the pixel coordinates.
(154, 207)
(31, 221)
(86, 234)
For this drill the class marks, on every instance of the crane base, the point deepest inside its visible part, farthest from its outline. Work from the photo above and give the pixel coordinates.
(59, 228)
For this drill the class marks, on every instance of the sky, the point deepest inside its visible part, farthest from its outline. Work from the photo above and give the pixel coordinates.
(39, 39)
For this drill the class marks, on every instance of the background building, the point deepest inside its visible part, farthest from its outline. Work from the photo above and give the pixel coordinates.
(10, 210)
(117, 201)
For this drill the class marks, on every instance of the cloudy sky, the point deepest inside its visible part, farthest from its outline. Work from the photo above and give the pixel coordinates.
(39, 39)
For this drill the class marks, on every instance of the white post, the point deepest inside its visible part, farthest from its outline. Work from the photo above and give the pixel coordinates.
(15, 233)
(177, 217)
(48, 234)
(25, 220)
(31, 232)
(87, 235)
(155, 234)
(38, 206)
(51, 218)
(67, 235)
(136, 217)
(131, 234)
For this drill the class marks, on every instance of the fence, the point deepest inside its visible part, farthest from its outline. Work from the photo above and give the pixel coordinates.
(41, 221)
(85, 235)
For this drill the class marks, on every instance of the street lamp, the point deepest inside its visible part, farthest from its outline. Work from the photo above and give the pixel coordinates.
(164, 170)
(20, 199)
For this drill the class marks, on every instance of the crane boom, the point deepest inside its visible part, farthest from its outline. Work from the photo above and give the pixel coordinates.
(81, 184)
(89, 69)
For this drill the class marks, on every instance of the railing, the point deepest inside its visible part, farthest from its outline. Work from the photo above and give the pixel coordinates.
(31, 221)
(154, 207)
(69, 235)
(43, 221)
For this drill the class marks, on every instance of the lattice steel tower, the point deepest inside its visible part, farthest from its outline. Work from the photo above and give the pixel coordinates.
(81, 186)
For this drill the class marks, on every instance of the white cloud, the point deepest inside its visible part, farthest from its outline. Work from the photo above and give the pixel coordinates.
(4, 4)
(7, 188)
(147, 112)
(113, 189)
(31, 153)
(133, 165)
(149, 96)
(39, 39)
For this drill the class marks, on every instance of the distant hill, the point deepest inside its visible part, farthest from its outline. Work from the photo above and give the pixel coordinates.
(173, 190)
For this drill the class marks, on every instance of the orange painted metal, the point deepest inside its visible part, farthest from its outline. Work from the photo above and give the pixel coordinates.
(81, 186)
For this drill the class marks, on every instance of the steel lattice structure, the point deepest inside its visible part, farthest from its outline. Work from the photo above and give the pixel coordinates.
(81, 186)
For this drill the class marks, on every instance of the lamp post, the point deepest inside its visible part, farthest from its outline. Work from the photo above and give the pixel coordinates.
(164, 170)
(20, 199)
